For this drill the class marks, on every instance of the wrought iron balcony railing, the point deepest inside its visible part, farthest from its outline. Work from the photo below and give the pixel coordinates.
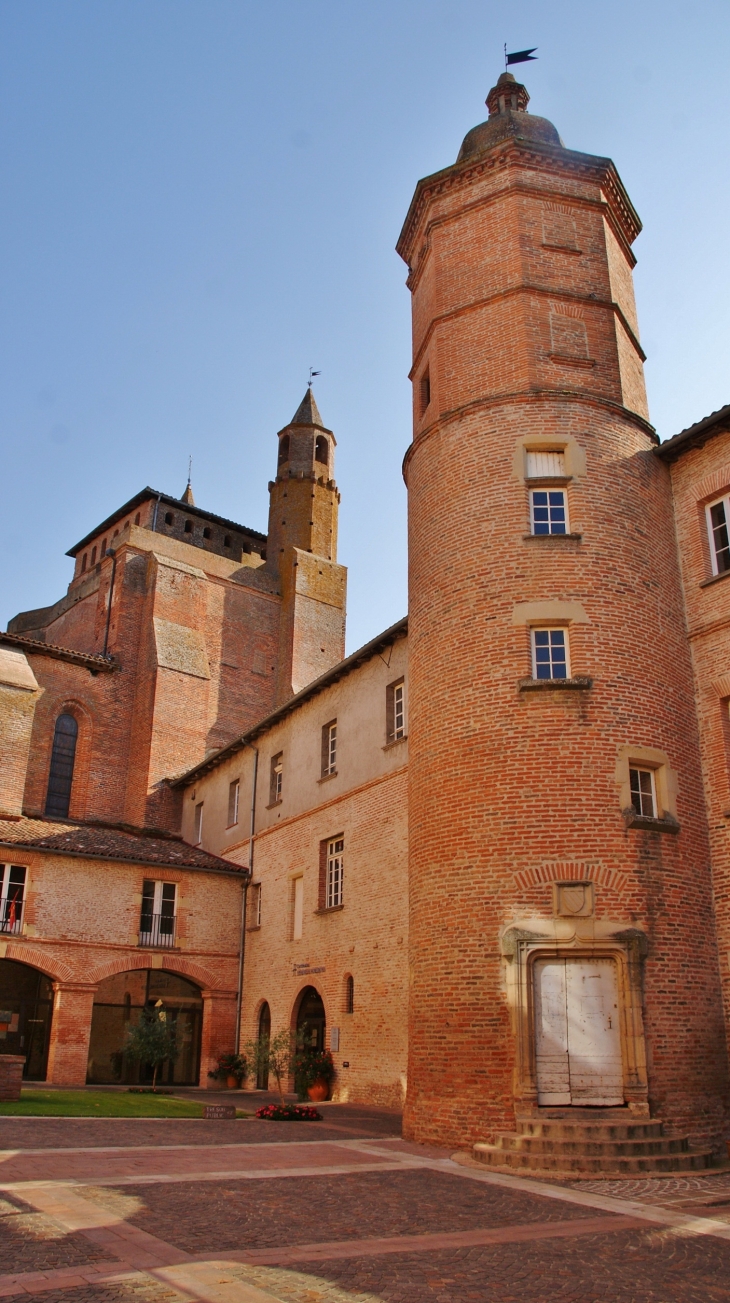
(11, 914)
(157, 930)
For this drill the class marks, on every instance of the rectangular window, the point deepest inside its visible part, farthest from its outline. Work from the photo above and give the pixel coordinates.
(275, 779)
(158, 914)
(550, 654)
(718, 528)
(643, 792)
(329, 749)
(198, 833)
(545, 465)
(395, 711)
(297, 908)
(548, 511)
(255, 914)
(12, 898)
(234, 792)
(335, 868)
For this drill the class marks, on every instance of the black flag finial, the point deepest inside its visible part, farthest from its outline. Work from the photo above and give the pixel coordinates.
(519, 56)
(312, 374)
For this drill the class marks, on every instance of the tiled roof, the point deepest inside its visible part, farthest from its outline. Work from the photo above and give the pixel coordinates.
(695, 435)
(333, 675)
(95, 664)
(103, 842)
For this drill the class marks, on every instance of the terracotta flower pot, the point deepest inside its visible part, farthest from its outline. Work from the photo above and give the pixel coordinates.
(232, 1082)
(319, 1089)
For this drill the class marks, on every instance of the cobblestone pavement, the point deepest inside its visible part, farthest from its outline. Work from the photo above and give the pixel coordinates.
(29, 1241)
(219, 1216)
(333, 1217)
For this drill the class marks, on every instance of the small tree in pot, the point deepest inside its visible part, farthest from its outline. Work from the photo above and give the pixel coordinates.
(232, 1069)
(273, 1054)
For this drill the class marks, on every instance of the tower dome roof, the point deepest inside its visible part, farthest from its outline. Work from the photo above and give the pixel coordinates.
(508, 117)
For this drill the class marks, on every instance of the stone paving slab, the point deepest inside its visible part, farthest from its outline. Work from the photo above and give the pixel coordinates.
(140, 1290)
(230, 1215)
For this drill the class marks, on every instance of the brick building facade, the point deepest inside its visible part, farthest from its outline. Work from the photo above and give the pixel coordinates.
(531, 912)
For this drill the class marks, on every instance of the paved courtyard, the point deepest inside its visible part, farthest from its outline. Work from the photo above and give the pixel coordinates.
(168, 1211)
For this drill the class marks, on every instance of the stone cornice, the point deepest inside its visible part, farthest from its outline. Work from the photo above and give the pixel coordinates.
(542, 158)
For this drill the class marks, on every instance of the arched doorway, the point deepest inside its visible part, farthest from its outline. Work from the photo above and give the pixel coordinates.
(262, 1076)
(26, 1009)
(311, 1020)
(118, 1005)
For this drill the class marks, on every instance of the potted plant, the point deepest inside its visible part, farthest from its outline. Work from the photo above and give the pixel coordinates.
(232, 1069)
(314, 1072)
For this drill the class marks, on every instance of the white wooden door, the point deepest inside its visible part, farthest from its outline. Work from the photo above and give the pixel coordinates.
(578, 1043)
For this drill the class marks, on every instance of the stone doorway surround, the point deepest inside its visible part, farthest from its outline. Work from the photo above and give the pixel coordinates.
(523, 944)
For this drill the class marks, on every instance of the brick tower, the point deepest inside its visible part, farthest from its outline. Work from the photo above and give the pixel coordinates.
(562, 938)
(302, 551)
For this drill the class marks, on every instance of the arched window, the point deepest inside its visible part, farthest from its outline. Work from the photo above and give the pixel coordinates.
(262, 1076)
(206, 532)
(62, 766)
(227, 540)
(83, 562)
(93, 556)
(322, 450)
(283, 450)
(350, 995)
(103, 549)
(188, 526)
(169, 518)
(137, 517)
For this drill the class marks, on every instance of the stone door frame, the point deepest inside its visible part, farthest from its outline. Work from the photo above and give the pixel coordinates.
(521, 949)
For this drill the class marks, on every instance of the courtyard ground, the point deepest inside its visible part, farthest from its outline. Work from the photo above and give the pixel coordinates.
(140, 1210)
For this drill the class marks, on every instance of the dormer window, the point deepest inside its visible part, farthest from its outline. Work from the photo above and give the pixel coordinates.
(321, 450)
(283, 450)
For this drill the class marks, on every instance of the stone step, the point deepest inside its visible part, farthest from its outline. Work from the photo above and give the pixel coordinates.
(646, 1130)
(520, 1160)
(656, 1144)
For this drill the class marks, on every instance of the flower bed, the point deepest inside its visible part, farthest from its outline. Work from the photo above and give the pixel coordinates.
(289, 1113)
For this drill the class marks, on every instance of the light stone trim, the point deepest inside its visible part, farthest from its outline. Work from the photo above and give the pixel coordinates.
(665, 778)
(575, 457)
(529, 613)
(522, 947)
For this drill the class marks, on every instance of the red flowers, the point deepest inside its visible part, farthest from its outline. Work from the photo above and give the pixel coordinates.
(289, 1113)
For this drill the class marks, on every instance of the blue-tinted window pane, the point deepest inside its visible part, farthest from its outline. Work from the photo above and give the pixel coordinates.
(550, 654)
(548, 511)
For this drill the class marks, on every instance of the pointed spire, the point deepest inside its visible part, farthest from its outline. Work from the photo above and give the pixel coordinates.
(188, 495)
(307, 412)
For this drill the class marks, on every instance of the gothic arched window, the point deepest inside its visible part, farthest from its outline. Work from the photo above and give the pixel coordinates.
(61, 776)
(322, 450)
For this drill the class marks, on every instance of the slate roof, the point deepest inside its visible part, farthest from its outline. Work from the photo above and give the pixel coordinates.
(143, 496)
(107, 842)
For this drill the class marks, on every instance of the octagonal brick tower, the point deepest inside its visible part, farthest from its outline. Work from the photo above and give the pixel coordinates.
(562, 942)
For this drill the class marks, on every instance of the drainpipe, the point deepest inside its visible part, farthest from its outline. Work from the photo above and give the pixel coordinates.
(154, 518)
(249, 876)
(113, 555)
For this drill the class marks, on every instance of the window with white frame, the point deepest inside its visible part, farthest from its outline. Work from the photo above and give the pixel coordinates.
(234, 794)
(335, 870)
(12, 898)
(158, 914)
(643, 791)
(329, 749)
(548, 511)
(276, 778)
(550, 658)
(198, 827)
(718, 529)
(395, 711)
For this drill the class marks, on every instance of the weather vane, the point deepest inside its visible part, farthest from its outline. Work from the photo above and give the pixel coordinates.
(312, 374)
(190, 468)
(518, 56)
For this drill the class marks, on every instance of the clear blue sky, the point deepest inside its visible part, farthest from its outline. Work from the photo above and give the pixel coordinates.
(201, 200)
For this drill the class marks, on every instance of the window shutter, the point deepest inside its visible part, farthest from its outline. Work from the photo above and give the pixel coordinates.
(545, 465)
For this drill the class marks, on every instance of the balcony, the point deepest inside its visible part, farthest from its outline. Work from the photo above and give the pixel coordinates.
(11, 915)
(157, 931)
